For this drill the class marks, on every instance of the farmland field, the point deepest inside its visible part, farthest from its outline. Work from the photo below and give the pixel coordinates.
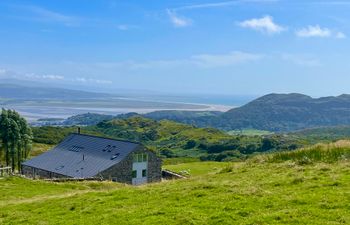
(249, 192)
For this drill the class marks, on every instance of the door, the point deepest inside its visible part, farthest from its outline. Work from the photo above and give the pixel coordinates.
(139, 169)
(139, 173)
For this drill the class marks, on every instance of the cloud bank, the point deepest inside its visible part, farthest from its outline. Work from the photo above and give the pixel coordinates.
(317, 31)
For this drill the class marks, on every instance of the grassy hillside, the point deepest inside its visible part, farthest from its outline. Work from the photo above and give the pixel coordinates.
(322, 134)
(253, 192)
(287, 112)
(272, 112)
(249, 132)
(330, 153)
(172, 139)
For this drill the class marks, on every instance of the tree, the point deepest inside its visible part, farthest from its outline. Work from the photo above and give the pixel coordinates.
(16, 137)
(190, 144)
(4, 134)
(13, 140)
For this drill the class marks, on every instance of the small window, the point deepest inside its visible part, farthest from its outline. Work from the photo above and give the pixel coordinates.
(135, 157)
(144, 157)
(134, 174)
(59, 168)
(75, 148)
(139, 157)
(115, 156)
(144, 173)
(107, 148)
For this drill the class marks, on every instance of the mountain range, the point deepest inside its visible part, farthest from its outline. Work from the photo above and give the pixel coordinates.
(286, 112)
(272, 112)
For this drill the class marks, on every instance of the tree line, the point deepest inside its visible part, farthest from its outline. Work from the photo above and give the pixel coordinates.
(15, 137)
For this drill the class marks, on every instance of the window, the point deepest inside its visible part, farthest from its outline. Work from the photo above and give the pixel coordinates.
(75, 148)
(134, 174)
(59, 168)
(144, 157)
(140, 157)
(144, 173)
(115, 156)
(107, 148)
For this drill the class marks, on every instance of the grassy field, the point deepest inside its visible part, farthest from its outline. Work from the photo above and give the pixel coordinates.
(39, 148)
(249, 132)
(252, 192)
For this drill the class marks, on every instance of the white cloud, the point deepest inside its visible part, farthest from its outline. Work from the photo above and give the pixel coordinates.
(232, 58)
(90, 80)
(45, 15)
(200, 61)
(332, 2)
(340, 35)
(302, 60)
(317, 31)
(3, 71)
(222, 4)
(264, 24)
(53, 77)
(314, 31)
(45, 77)
(124, 27)
(178, 21)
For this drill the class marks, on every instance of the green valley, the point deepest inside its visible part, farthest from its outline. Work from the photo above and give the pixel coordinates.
(258, 191)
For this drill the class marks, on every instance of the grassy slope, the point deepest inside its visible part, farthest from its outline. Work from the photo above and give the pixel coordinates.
(39, 148)
(249, 132)
(254, 192)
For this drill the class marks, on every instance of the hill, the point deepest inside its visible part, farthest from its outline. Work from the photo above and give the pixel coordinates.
(171, 139)
(13, 91)
(286, 112)
(252, 192)
(273, 112)
(200, 119)
(323, 134)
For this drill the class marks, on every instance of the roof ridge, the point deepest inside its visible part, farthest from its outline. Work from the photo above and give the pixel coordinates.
(113, 139)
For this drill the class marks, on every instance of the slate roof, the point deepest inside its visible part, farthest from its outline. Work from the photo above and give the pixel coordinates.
(83, 156)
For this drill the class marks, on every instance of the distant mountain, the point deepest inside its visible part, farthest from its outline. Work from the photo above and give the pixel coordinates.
(273, 112)
(13, 91)
(286, 112)
(197, 118)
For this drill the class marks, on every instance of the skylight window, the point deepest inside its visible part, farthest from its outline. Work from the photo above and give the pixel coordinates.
(59, 168)
(76, 148)
(115, 156)
(107, 148)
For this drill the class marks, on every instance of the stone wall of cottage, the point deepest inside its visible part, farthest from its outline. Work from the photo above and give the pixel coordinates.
(122, 172)
(39, 173)
(154, 169)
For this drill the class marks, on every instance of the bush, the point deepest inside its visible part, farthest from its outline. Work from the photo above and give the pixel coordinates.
(328, 153)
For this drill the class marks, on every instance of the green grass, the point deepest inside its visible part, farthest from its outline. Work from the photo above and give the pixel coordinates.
(39, 148)
(214, 193)
(178, 160)
(332, 152)
(19, 189)
(249, 132)
(197, 168)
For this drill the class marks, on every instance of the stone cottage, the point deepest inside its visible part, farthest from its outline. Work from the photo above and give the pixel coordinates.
(86, 156)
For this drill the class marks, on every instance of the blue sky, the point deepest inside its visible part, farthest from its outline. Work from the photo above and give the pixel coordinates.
(246, 47)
